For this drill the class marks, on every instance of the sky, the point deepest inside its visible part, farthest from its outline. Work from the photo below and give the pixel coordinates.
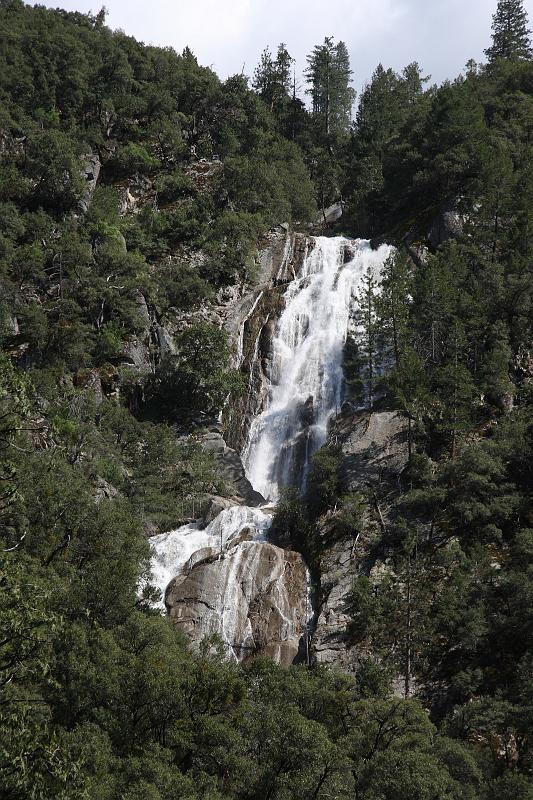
(229, 35)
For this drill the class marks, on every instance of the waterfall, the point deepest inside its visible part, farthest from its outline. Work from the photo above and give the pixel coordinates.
(306, 389)
(307, 375)
(174, 551)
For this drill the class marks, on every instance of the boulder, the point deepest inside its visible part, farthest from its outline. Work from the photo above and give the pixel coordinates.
(214, 506)
(253, 597)
(330, 215)
(90, 173)
(230, 469)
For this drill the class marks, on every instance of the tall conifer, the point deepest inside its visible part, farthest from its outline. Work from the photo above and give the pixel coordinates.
(329, 76)
(510, 32)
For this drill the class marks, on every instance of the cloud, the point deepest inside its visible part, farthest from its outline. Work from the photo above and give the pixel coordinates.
(212, 22)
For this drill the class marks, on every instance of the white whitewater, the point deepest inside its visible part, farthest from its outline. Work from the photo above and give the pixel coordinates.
(307, 376)
(174, 550)
(307, 388)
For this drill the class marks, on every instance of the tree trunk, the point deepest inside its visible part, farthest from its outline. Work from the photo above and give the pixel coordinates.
(407, 684)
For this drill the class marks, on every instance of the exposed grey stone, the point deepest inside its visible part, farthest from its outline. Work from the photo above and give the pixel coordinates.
(418, 253)
(448, 224)
(230, 469)
(374, 446)
(214, 443)
(142, 310)
(330, 215)
(165, 341)
(105, 491)
(136, 354)
(12, 325)
(232, 472)
(374, 453)
(90, 172)
(254, 596)
(214, 506)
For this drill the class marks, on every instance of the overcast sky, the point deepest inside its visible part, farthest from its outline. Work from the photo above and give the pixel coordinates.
(230, 34)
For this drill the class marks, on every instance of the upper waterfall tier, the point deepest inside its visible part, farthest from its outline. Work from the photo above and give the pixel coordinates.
(307, 380)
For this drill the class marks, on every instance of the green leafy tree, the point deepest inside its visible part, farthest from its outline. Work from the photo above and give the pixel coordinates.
(392, 306)
(366, 334)
(197, 378)
(272, 79)
(324, 483)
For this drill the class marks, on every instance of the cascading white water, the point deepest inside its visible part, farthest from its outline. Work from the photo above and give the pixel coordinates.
(174, 550)
(306, 389)
(307, 375)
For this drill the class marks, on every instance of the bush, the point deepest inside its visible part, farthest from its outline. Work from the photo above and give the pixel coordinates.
(197, 378)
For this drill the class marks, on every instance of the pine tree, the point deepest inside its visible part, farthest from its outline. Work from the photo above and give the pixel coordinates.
(283, 66)
(329, 77)
(272, 79)
(392, 305)
(510, 32)
(366, 336)
(263, 78)
(379, 112)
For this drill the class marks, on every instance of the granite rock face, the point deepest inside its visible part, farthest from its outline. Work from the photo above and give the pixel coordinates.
(251, 324)
(373, 445)
(374, 453)
(448, 224)
(253, 596)
(339, 567)
(90, 173)
(230, 469)
(330, 215)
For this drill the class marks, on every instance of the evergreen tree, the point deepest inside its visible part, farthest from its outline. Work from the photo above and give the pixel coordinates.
(264, 74)
(385, 106)
(510, 33)
(272, 79)
(284, 62)
(366, 336)
(379, 112)
(393, 305)
(329, 77)
(499, 387)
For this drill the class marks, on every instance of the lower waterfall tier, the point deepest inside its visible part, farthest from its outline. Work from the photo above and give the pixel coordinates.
(253, 597)
(226, 579)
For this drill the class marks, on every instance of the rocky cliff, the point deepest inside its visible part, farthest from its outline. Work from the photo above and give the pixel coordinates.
(251, 323)
(226, 579)
(253, 596)
(374, 452)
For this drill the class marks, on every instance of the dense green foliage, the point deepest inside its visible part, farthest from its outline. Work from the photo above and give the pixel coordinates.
(100, 698)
